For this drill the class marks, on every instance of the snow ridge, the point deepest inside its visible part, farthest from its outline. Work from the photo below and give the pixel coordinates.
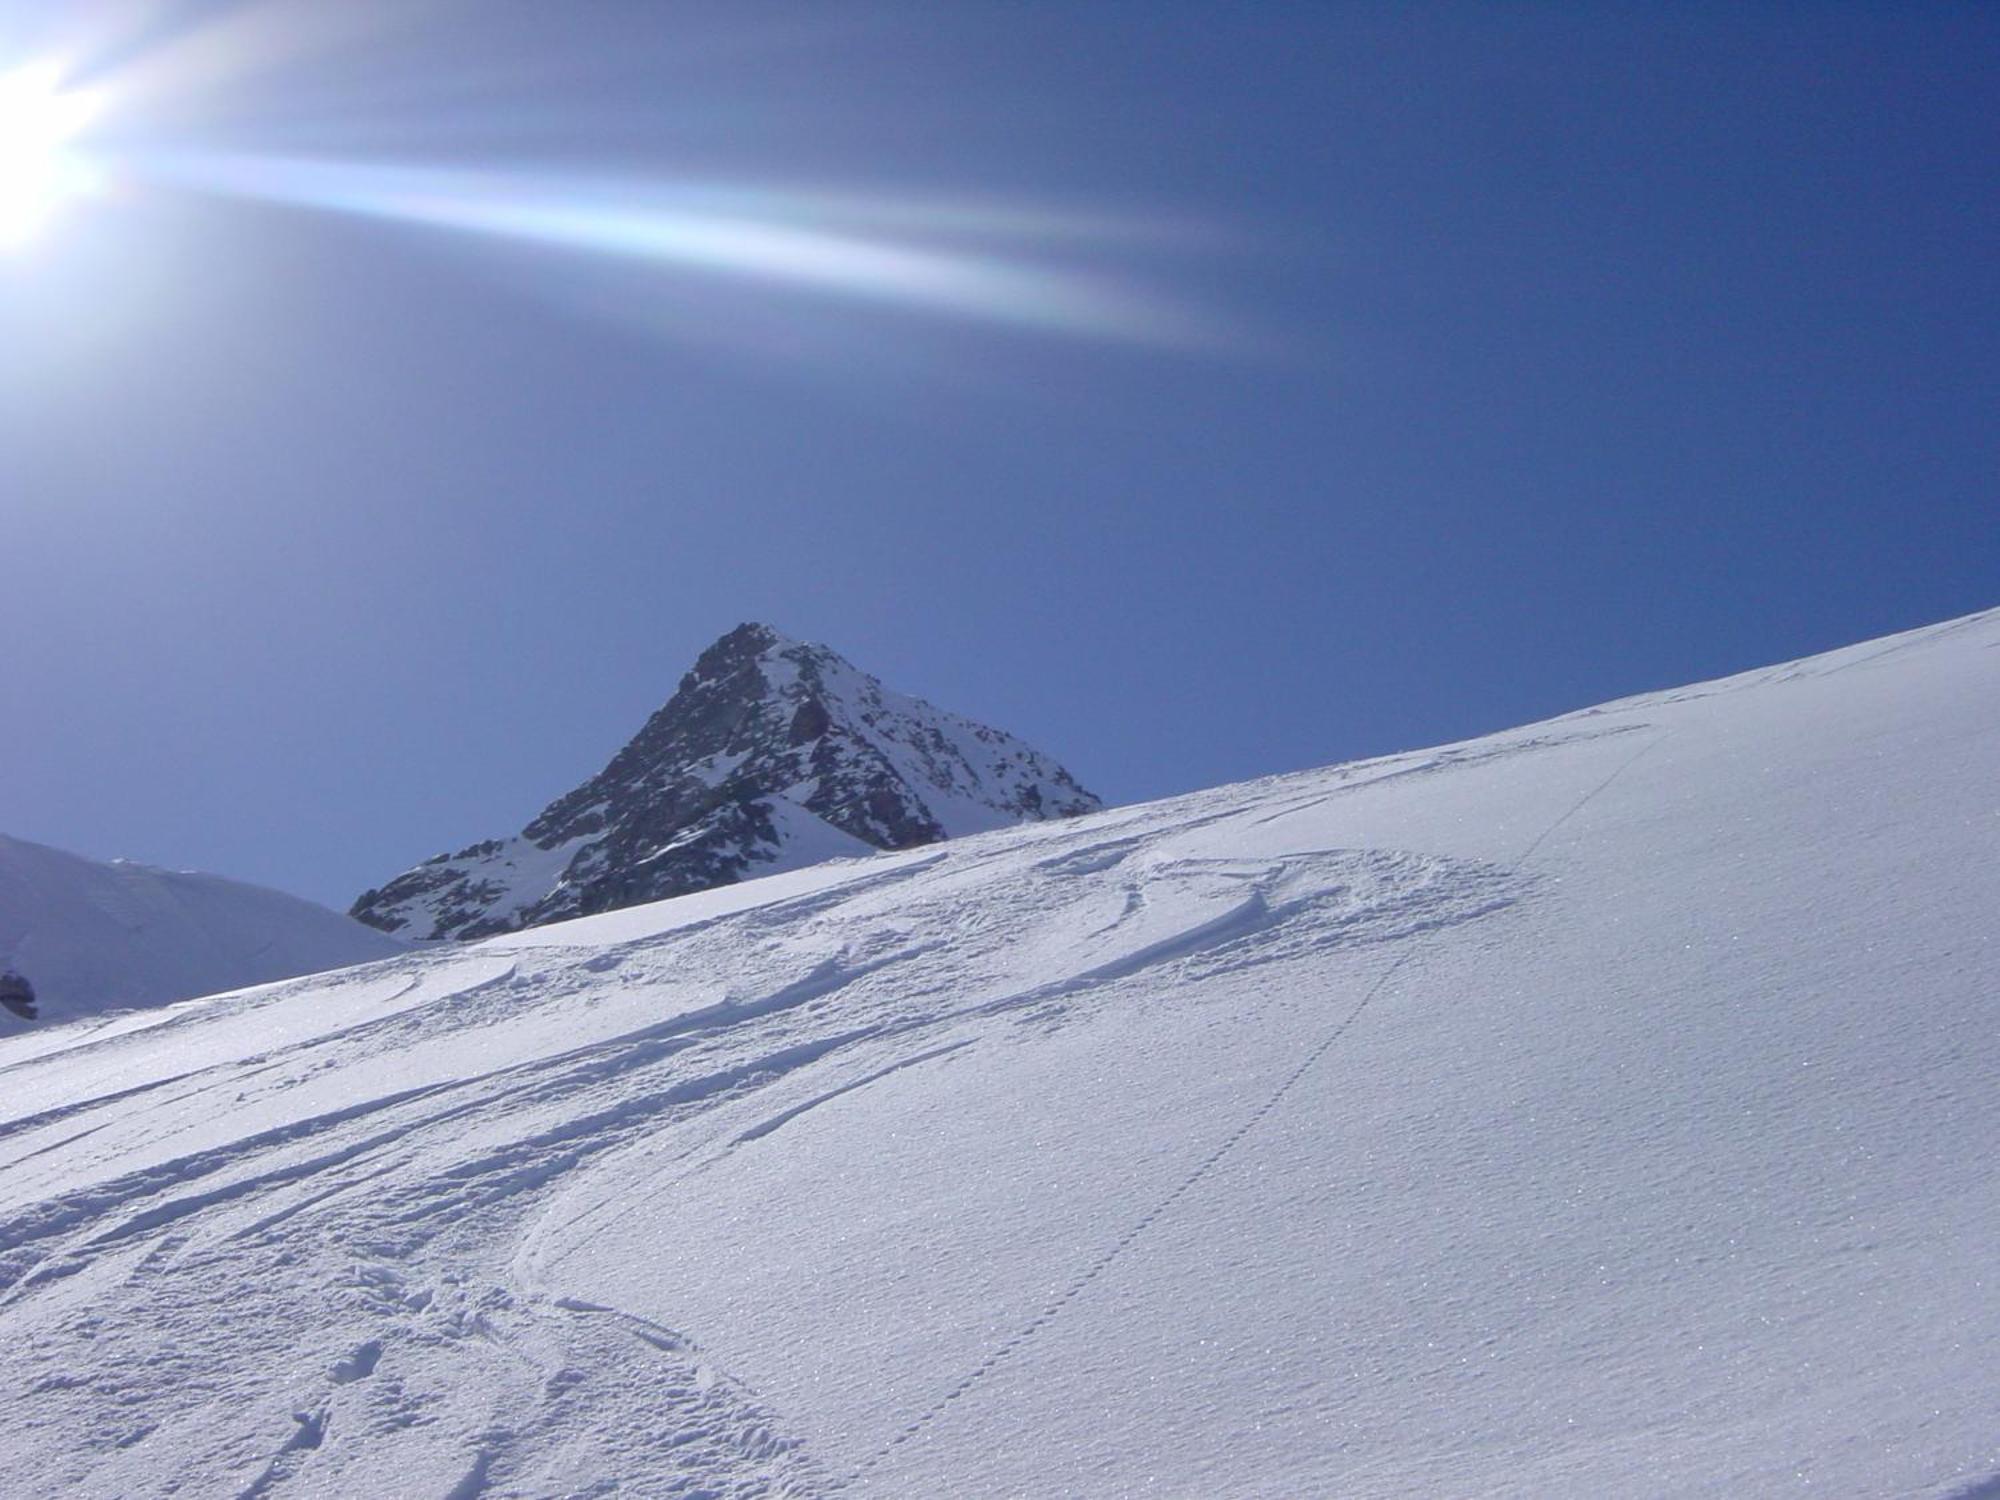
(773, 754)
(92, 936)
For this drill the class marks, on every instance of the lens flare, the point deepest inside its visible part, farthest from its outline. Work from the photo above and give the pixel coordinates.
(812, 251)
(940, 258)
(39, 123)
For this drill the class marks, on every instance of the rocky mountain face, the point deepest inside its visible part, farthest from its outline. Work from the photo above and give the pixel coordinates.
(773, 754)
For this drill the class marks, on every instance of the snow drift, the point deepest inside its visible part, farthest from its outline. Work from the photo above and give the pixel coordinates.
(1604, 1107)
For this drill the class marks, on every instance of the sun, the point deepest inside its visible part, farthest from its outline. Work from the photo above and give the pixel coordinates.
(39, 122)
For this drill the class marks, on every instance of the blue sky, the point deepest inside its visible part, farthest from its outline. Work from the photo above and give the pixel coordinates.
(1293, 383)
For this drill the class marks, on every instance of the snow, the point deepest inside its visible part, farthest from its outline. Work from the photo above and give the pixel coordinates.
(806, 839)
(1603, 1107)
(513, 874)
(93, 936)
(969, 777)
(522, 872)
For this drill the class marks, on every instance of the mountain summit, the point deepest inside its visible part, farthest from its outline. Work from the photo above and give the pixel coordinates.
(772, 754)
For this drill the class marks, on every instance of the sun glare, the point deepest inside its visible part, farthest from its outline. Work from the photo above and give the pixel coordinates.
(39, 121)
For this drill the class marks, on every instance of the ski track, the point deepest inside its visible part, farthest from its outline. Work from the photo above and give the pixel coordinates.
(428, 1310)
(1215, 1159)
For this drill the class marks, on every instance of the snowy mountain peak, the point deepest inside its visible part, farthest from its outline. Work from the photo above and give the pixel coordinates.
(773, 753)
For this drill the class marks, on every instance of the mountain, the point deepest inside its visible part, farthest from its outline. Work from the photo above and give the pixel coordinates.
(1603, 1107)
(772, 755)
(92, 936)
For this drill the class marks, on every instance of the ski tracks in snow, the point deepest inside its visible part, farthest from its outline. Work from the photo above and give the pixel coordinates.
(405, 1195)
(1209, 1164)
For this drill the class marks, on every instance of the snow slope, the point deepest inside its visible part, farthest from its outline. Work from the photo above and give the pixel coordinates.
(94, 936)
(1600, 1108)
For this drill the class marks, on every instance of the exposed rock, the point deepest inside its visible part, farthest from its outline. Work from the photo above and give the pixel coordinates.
(18, 995)
(772, 754)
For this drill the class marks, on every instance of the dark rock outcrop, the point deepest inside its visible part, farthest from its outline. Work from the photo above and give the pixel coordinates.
(18, 995)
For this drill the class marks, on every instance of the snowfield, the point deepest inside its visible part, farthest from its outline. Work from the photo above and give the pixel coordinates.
(1602, 1108)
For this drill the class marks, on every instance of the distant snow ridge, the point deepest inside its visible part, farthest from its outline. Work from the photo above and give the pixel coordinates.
(92, 936)
(773, 754)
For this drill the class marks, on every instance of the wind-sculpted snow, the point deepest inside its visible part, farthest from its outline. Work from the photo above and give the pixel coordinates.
(1596, 1109)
